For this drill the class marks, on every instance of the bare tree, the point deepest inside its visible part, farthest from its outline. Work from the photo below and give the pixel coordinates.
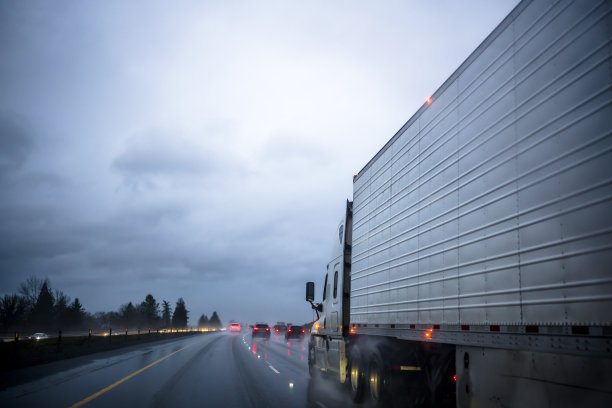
(30, 289)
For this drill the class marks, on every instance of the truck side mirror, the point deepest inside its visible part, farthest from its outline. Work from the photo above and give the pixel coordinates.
(309, 291)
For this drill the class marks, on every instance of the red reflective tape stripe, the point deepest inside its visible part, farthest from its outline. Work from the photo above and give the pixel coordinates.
(494, 328)
(436, 327)
(393, 326)
(532, 329)
(465, 327)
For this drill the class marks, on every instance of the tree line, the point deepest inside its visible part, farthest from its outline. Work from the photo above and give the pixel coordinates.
(37, 307)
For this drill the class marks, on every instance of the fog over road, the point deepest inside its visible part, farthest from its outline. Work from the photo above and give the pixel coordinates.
(210, 370)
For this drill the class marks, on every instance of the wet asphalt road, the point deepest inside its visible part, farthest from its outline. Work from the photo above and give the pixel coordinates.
(208, 370)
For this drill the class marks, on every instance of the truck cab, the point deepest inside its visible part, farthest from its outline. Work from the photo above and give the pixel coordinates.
(326, 346)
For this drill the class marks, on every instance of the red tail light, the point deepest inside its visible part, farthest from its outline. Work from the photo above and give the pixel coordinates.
(303, 331)
(267, 329)
(455, 377)
(276, 330)
(289, 330)
(256, 328)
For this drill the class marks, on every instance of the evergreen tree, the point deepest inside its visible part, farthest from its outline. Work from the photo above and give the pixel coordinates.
(179, 318)
(203, 322)
(166, 313)
(42, 314)
(30, 290)
(76, 313)
(60, 309)
(215, 322)
(128, 315)
(150, 311)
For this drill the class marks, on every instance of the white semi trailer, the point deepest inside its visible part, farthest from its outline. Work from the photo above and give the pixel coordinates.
(473, 267)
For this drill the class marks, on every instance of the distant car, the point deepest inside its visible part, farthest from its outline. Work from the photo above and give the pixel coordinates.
(295, 332)
(261, 329)
(234, 327)
(280, 329)
(39, 336)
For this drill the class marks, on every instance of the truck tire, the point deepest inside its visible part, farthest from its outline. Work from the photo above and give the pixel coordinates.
(378, 381)
(356, 375)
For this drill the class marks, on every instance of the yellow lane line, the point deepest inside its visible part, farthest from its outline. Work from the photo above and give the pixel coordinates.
(124, 379)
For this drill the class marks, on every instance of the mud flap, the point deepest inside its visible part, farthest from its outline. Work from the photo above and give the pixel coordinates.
(343, 362)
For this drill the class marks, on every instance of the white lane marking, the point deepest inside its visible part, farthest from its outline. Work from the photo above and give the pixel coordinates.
(273, 369)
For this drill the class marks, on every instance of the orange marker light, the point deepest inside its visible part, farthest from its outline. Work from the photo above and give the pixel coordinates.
(428, 334)
(428, 100)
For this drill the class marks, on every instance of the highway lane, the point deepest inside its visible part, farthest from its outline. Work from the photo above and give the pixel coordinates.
(210, 370)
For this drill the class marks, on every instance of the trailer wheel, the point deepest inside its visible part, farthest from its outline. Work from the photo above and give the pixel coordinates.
(378, 381)
(357, 381)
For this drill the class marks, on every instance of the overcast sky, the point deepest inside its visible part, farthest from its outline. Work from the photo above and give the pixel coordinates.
(204, 149)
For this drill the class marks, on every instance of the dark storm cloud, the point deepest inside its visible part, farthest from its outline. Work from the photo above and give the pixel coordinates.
(15, 141)
(31, 231)
(31, 227)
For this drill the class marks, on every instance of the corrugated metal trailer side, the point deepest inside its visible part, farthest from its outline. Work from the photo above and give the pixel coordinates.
(491, 208)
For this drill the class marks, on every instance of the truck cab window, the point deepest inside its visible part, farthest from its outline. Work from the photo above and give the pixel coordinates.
(325, 288)
(336, 284)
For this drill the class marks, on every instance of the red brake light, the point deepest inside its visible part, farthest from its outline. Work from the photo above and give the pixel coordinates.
(289, 330)
(267, 329)
(255, 328)
(303, 331)
(455, 377)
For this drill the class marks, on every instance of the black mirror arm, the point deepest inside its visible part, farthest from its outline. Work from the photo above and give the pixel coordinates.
(318, 307)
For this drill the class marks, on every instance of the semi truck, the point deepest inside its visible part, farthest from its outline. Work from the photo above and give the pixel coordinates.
(473, 266)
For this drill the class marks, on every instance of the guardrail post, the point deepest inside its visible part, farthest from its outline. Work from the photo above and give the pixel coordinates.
(89, 334)
(16, 336)
(110, 334)
(126, 330)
